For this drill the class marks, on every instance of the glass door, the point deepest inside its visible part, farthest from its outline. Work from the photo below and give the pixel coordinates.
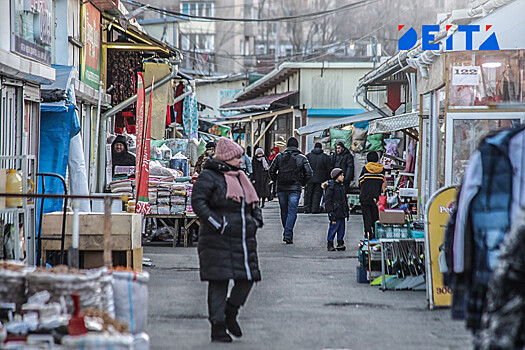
(465, 131)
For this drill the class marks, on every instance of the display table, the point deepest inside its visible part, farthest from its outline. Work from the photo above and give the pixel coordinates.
(180, 220)
(383, 242)
(126, 237)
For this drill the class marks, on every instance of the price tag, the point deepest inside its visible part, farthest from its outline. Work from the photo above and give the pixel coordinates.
(465, 75)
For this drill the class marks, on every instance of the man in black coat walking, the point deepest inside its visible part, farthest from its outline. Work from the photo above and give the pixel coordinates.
(292, 171)
(342, 158)
(320, 164)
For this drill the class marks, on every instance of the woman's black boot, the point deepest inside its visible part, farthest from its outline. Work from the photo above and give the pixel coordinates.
(219, 334)
(231, 320)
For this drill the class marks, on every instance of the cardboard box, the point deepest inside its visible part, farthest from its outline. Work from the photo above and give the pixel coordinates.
(392, 217)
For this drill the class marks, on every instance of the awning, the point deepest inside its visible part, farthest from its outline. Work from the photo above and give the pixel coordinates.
(262, 102)
(394, 123)
(310, 129)
(334, 112)
(140, 42)
(250, 117)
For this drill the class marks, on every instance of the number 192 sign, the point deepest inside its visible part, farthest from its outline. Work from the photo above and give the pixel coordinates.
(465, 75)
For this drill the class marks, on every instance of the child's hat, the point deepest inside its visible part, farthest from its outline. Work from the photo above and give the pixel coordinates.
(335, 173)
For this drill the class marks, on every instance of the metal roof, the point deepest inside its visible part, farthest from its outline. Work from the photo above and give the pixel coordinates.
(310, 129)
(394, 123)
(262, 102)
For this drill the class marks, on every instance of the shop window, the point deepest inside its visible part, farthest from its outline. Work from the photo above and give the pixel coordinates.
(467, 135)
(481, 78)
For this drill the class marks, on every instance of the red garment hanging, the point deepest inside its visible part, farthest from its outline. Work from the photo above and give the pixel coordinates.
(178, 105)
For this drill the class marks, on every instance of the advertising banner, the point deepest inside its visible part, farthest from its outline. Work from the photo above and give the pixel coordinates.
(31, 28)
(90, 69)
(142, 156)
(438, 212)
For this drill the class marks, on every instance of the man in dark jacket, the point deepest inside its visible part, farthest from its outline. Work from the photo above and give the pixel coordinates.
(320, 163)
(292, 171)
(371, 183)
(342, 158)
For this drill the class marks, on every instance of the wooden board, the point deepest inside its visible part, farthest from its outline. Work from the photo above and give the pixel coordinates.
(126, 231)
(92, 259)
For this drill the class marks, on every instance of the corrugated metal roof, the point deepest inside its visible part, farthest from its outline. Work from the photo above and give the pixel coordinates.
(310, 129)
(262, 102)
(394, 123)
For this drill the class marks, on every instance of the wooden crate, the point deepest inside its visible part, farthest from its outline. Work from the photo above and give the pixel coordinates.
(126, 231)
(92, 259)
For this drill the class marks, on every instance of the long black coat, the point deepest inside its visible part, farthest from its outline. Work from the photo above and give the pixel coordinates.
(336, 203)
(260, 178)
(227, 244)
(320, 163)
(345, 161)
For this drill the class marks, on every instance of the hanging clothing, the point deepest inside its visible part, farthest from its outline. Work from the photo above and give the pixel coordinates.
(190, 116)
(492, 192)
(178, 106)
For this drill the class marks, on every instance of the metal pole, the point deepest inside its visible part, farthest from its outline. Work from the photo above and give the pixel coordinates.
(107, 232)
(73, 252)
(277, 33)
(98, 136)
(434, 142)
(413, 91)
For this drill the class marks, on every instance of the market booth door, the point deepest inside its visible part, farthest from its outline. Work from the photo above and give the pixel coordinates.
(438, 213)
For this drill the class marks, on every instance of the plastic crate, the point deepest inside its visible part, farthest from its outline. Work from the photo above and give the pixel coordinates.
(392, 230)
(417, 234)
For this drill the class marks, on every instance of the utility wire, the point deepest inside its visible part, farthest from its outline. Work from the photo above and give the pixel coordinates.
(306, 16)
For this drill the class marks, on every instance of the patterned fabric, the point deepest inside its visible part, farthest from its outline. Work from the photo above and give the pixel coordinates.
(190, 116)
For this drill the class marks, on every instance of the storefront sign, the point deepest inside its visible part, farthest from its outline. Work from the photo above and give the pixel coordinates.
(428, 37)
(438, 213)
(32, 28)
(465, 75)
(90, 71)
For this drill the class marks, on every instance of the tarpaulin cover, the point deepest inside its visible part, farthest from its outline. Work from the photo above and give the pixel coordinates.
(56, 131)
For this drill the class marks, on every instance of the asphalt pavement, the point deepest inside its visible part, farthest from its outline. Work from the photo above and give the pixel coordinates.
(308, 299)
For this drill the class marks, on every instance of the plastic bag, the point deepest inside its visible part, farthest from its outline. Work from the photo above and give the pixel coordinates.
(358, 140)
(337, 135)
(374, 143)
(390, 148)
(130, 291)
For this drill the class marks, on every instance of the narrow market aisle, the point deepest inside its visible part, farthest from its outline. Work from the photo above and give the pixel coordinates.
(308, 299)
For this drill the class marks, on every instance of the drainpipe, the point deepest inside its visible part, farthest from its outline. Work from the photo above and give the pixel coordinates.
(369, 103)
(356, 99)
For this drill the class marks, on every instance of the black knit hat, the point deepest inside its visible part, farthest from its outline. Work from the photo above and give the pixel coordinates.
(292, 142)
(372, 157)
(318, 145)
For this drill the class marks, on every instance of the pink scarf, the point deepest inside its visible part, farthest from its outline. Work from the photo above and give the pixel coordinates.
(234, 191)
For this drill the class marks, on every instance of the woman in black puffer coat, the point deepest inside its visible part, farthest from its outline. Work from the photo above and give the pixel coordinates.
(227, 205)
